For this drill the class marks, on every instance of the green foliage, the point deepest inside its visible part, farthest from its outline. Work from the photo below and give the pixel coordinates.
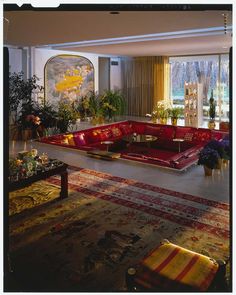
(112, 103)
(212, 107)
(176, 112)
(95, 105)
(47, 114)
(66, 116)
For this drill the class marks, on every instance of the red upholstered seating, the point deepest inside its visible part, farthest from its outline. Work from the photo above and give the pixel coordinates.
(163, 151)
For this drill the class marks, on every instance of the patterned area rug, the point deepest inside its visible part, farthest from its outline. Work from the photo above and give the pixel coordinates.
(87, 241)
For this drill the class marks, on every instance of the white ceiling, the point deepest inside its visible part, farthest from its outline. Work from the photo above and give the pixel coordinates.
(34, 28)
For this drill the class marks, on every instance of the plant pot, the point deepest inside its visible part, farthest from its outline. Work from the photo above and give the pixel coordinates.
(26, 134)
(211, 124)
(219, 164)
(225, 161)
(163, 120)
(94, 121)
(208, 171)
(174, 121)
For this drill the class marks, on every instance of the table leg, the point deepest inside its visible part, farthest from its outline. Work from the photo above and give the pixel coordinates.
(179, 147)
(64, 185)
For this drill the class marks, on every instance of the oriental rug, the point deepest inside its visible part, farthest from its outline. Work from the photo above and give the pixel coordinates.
(87, 241)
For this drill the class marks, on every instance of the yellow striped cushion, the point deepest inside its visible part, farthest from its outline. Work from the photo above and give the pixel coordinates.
(69, 139)
(173, 263)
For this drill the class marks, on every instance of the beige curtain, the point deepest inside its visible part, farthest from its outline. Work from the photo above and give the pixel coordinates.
(145, 81)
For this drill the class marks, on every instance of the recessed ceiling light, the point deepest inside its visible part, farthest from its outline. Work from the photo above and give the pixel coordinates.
(114, 12)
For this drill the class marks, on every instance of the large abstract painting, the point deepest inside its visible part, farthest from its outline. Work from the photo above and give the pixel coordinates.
(68, 77)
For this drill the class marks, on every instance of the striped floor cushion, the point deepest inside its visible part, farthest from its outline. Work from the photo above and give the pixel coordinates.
(171, 267)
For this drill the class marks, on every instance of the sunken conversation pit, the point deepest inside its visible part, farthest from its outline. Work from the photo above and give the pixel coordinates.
(174, 147)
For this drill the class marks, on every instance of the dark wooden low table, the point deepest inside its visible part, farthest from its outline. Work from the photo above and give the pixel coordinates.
(41, 175)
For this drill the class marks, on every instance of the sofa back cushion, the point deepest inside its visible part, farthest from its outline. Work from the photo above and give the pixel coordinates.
(153, 130)
(139, 127)
(180, 132)
(167, 133)
(69, 139)
(80, 139)
(126, 129)
(202, 135)
(116, 132)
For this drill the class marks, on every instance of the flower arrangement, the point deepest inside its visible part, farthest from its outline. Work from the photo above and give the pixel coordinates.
(217, 146)
(226, 147)
(208, 157)
(161, 110)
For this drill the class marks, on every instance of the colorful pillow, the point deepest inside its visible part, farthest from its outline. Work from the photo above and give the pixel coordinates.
(116, 132)
(79, 139)
(188, 136)
(126, 129)
(70, 139)
(202, 135)
(105, 134)
(181, 131)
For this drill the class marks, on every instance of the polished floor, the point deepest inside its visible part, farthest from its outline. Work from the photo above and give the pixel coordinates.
(191, 181)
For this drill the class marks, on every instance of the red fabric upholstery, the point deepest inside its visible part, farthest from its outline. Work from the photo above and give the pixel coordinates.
(181, 131)
(79, 139)
(163, 151)
(126, 129)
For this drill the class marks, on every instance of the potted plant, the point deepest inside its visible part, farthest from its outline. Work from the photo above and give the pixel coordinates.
(95, 108)
(48, 118)
(209, 159)
(212, 111)
(83, 107)
(66, 116)
(217, 146)
(160, 111)
(112, 103)
(175, 114)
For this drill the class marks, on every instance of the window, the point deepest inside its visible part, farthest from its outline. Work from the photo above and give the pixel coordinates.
(210, 70)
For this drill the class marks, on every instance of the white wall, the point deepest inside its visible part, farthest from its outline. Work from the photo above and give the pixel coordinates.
(15, 60)
(115, 74)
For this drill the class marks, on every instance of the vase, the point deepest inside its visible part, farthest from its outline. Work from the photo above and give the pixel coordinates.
(26, 134)
(163, 120)
(174, 121)
(211, 124)
(219, 164)
(208, 171)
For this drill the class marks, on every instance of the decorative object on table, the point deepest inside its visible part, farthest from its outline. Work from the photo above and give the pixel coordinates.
(160, 111)
(112, 103)
(175, 113)
(209, 158)
(193, 108)
(212, 112)
(66, 116)
(108, 223)
(68, 77)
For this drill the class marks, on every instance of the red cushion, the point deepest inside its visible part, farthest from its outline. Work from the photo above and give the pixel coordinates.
(105, 134)
(188, 136)
(126, 129)
(168, 132)
(150, 130)
(79, 139)
(139, 128)
(116, 132)
(181, 131)
(202, 135)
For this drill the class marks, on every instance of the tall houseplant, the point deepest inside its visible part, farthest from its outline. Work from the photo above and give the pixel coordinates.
(212, 111)
(112, 103)
(209, 158)
(66, 116)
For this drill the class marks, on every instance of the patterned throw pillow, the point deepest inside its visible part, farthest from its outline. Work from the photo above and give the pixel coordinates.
(116, 132)
(79, 139)
(105, 134)
(188, 136)
(126, 129)
(70, 139)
